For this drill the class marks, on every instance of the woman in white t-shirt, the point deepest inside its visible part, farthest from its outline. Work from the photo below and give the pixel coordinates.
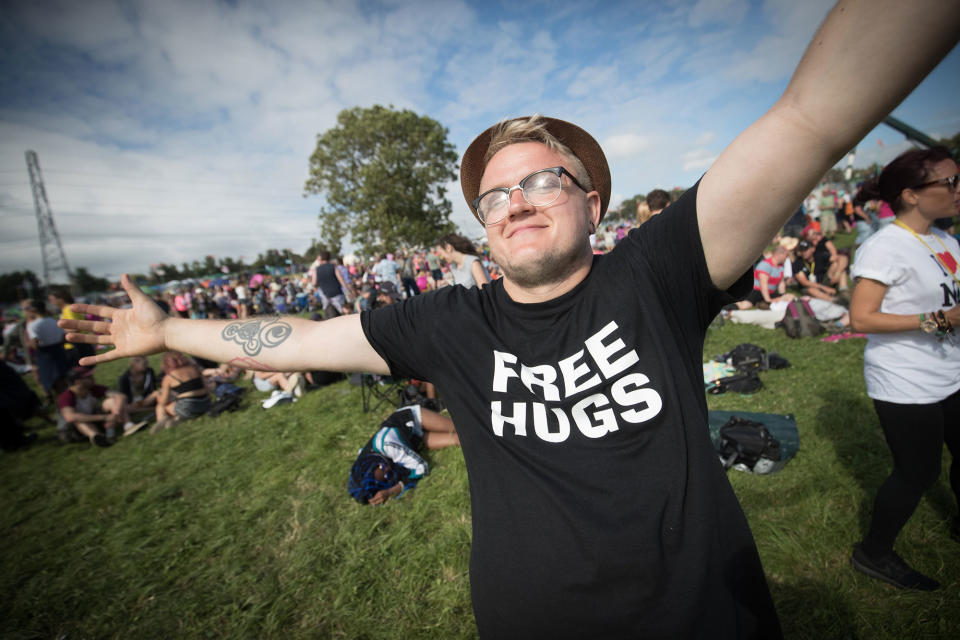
(906, 300)
(465, 267)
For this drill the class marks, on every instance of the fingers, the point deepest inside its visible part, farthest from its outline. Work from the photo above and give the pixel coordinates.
(94, 310)
(89, 338)
(84, 325)
(90, 361)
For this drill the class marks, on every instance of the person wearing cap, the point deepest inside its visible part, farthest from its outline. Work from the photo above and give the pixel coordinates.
(387, 294)
(599, 509)
(804, 270)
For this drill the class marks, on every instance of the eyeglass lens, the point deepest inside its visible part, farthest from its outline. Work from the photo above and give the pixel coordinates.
(539, 189)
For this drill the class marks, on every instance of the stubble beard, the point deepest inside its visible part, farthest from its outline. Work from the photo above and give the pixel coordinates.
(552, 266)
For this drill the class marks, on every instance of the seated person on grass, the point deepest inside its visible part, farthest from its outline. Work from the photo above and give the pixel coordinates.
(829, 265)
(389, 465)
(183, 393)
(805, 272)
(139, 384)
(291, 384)
(769, 284)
(91, 411)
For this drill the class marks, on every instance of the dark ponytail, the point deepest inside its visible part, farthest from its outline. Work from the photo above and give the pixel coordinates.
(459, 243)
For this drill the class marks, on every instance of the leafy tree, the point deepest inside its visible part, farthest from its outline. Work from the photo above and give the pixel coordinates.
(383, 174)
(18, 285)
(86, 282)
(952, 143)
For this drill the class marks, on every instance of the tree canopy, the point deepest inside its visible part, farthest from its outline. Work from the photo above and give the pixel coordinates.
(383, 175)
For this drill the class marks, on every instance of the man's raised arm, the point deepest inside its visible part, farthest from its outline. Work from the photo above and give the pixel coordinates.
(863, 61)
(267, 343)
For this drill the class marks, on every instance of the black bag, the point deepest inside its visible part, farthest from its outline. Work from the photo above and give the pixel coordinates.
(745, 382)
(746, 357)
(799, 320)
(748, 443)
(229, 402)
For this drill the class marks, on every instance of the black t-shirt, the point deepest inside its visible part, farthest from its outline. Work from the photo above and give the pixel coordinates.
(802, 266)
(327, 280)
(599, 506)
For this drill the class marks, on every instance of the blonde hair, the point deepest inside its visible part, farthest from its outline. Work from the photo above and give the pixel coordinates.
(534, 129)
(643, 212)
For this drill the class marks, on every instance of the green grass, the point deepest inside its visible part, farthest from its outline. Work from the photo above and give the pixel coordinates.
(241, 526)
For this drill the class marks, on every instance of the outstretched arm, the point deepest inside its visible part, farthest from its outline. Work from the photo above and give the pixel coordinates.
(876, 48)
(268, 343)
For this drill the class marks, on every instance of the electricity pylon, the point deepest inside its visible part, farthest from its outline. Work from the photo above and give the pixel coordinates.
(54, 259)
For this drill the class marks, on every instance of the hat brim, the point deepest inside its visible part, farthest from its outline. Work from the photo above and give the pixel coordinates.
(581, 143)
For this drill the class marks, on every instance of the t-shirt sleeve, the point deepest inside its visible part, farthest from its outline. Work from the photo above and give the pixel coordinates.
(874, 261)
(396, 331)
(669, 247)
(66, 399)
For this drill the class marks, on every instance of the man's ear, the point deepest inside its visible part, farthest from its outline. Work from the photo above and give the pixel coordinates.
(593, 209)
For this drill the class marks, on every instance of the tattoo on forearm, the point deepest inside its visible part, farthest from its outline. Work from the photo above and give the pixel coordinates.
(254, 335)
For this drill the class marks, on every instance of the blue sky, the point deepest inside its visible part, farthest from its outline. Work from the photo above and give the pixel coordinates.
(167, 131)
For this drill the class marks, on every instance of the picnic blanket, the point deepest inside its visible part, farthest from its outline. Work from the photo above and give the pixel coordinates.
(781, 427)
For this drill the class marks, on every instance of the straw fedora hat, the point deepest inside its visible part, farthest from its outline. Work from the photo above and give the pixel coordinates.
(576, 139)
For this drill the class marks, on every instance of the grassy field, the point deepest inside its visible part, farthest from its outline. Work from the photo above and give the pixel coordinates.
(241, 526)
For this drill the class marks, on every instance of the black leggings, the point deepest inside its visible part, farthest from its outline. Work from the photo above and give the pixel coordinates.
(915, 434)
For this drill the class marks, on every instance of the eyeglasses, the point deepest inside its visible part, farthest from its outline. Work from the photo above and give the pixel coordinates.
(950, 181)
(540, 188)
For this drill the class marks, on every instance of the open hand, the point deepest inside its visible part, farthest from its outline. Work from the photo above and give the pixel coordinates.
(134, 332)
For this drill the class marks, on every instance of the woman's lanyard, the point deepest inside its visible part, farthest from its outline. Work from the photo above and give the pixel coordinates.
(942, 262)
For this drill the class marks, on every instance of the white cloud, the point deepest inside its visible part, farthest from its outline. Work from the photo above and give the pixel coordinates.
(705, 138)
(625, 145)
(726, 12)
(593, 81)
(699, 159)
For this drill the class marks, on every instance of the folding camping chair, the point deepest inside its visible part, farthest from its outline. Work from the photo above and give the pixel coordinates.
(377, 390)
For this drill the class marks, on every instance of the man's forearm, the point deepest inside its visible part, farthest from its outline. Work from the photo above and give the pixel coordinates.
(276, 343)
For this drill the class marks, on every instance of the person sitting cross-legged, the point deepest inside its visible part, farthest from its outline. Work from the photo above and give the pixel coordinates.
(89, 410)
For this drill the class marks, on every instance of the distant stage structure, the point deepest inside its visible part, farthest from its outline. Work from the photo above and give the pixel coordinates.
(54, 259)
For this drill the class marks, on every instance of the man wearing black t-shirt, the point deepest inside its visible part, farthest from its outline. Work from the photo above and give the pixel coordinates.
(599, 507)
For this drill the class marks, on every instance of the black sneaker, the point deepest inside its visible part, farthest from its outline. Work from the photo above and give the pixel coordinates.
(891, 568)
(101, 440)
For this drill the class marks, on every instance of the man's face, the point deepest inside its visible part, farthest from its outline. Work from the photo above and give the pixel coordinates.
(538, 245)
(81, 388)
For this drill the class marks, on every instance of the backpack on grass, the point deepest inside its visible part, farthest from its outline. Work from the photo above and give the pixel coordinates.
(746, 357)
(748, 443)
(228, 402)
(744, 381)
(800, 322)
